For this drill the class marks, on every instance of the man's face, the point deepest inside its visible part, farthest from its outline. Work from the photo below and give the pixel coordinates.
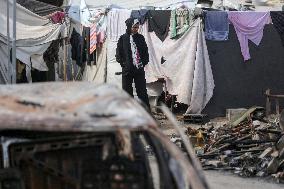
(135, 29)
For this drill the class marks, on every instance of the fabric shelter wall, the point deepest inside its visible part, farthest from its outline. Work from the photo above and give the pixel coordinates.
(97, 73)
(241, 84)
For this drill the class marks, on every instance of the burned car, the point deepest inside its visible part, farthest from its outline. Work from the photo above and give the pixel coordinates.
(81, 136)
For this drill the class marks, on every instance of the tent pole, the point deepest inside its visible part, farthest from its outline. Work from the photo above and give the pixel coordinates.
(65, 59)
(8, 44)
(14, 73)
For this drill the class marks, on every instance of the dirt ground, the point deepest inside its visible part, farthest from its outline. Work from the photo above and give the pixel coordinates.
(224, 179)
(227, 180)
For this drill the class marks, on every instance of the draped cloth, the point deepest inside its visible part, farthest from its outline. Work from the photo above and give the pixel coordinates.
(249, 26)
(186, 70)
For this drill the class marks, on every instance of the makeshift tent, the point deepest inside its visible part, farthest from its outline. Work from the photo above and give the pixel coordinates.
(234, 78)
(187, 74)
(34, 36)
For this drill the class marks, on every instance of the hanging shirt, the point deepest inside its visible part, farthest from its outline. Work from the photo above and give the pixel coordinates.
(181, 19)
(216, 25)
(135, 54)
(278, 22)
(249, 26)
(159, 22)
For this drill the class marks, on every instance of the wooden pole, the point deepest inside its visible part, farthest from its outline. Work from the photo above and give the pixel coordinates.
(14, 73)
(8, 45)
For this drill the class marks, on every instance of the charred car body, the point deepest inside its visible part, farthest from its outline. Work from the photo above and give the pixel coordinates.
(81, 136)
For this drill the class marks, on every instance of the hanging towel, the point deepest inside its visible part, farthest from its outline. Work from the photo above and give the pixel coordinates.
(278, 22)
(159, 22)
(249, 26)
(140, 15)
(216, 25)
(181, 19)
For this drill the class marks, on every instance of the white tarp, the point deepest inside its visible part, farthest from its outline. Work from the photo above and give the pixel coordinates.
(187, 70)
(34, 35)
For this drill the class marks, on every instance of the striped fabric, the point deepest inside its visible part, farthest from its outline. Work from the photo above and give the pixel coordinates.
(93, 38)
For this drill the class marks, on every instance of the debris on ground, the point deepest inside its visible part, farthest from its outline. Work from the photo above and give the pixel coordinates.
(250, 145)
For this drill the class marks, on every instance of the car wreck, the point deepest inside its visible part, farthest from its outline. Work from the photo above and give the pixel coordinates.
(81, 136)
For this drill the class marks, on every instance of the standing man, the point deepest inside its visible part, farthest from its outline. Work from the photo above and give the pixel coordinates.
(132, 54)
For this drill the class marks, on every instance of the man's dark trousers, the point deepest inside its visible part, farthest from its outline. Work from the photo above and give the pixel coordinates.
(140, 85)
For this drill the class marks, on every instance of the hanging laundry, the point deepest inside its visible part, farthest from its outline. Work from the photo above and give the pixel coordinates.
(51, 55)
(140, 15)
(216, 25)
(93, 38)
(249, 26)
(77, 42)
(278, 22)
(57, 17)
(159, 22)
(101, 30)
(181, 19)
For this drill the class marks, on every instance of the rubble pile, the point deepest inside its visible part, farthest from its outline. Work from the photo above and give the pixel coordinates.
(250, 146)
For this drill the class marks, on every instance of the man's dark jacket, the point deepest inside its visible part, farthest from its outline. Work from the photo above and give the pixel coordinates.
(124, 54)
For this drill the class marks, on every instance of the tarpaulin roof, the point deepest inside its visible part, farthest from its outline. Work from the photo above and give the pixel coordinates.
(34, 35)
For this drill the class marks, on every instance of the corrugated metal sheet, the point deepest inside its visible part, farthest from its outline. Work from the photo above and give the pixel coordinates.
(76, 106)
(38, 7)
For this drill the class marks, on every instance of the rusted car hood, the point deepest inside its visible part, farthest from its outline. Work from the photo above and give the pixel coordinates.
(74, 106)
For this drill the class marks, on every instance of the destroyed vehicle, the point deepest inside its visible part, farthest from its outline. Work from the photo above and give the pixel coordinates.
(80, 136)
